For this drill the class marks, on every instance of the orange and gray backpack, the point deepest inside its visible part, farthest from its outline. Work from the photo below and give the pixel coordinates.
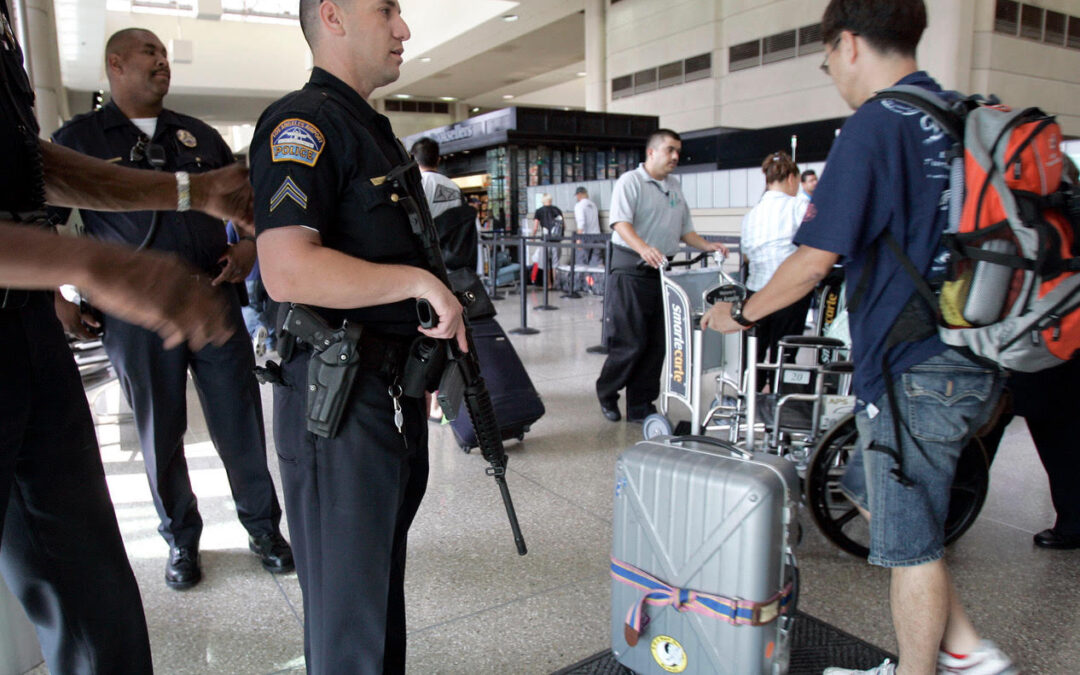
(1012, 290)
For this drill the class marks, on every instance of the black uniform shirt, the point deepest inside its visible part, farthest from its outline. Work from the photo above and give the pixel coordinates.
(312, 158)
(22, 186)
(190, 145)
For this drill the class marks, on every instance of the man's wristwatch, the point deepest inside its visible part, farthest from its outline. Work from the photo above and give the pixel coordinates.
(737, 315)
(183, 191)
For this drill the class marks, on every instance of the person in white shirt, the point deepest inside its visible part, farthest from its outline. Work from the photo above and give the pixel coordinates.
(587, 219)
(808, 181)
(767, 231)
(442, 193)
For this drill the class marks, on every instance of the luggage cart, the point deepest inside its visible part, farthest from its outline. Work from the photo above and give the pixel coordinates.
(695, 358)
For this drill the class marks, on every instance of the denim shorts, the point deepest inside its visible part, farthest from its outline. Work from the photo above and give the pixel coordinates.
(942, 402)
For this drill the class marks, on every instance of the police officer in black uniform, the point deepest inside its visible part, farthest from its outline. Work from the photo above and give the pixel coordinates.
(154, 379)
(60, 547)
(332, 239)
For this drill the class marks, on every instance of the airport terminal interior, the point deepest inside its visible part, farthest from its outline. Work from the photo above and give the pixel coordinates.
(531, 99)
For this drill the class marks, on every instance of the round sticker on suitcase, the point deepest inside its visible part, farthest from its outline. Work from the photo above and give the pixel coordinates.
(669, 654)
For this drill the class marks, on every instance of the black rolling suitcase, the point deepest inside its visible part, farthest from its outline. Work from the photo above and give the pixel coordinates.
(516, 403)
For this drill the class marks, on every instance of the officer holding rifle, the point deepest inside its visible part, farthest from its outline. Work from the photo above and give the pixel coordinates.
(334, 241)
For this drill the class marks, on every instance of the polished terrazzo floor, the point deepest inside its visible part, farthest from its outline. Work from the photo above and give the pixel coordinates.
(475, 606)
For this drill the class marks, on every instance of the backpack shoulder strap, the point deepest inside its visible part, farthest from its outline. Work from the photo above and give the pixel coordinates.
(931, 103)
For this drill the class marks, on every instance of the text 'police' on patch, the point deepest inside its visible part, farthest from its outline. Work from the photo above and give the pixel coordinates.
(296, 140)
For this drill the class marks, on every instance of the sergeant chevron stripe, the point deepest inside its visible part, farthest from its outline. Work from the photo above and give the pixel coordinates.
(292, 191)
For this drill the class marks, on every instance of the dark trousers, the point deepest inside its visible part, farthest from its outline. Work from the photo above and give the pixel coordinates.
(1047, 402)
(60, 546)
(634, 330)
(154, 381)
(350, 501)
(790, 320)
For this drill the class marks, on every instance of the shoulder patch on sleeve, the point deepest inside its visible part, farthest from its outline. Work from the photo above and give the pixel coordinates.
(289, 190)
(296, 140)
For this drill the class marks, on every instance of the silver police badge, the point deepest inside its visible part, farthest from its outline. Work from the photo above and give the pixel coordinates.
(186, 137)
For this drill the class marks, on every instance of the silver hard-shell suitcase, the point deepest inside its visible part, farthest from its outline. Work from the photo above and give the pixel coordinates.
(712, 527)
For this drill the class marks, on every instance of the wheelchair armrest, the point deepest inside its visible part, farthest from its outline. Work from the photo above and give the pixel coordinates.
(811, 341)
(838, 367)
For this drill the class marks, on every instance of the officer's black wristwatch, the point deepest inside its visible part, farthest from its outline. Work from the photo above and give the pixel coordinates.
(737, 315)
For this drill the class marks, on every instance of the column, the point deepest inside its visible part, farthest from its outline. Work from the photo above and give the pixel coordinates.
(44, 57)
(596, 55)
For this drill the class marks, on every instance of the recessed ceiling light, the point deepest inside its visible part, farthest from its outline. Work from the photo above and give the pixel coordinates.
(402, 96)
(507, 97)
(425, 59)
(447, 98)
(581, 74)
(511, 17)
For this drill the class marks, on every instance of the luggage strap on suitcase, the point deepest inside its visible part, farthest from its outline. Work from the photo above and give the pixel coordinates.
(655, 592)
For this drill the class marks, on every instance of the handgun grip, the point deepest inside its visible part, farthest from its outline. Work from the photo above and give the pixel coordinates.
(426, 313)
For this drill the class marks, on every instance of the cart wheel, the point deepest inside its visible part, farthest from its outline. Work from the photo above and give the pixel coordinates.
(838, 518)
(655, 425)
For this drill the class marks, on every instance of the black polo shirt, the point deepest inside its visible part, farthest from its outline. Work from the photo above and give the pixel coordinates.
(312, 158)
(190, 145)
(22, 186)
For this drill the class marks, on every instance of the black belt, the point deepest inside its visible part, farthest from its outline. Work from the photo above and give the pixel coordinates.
(627, 261)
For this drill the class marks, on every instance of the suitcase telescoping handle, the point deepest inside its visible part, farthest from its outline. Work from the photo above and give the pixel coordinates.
(709, 440)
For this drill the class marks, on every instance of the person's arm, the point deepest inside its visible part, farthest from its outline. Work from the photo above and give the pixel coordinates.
(153, 290)
(797, 276)
(697, 241)
(236, 261)
(296, 267)
(75, 179)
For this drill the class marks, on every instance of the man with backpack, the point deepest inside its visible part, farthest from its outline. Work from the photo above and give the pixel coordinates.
(888, 173)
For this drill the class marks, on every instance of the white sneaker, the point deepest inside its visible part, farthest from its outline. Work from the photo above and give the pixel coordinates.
(886, 668)
(987, 659)
(260, 340)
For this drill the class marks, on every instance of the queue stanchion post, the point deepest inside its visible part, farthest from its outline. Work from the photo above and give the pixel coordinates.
(602, 348)
(572, 294)
(524, 328)
(493, 265)
(546, 306)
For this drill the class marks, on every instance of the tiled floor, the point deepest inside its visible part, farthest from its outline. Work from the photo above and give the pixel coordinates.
(475, 606)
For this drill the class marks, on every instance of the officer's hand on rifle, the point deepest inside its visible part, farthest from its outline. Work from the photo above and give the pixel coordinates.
(446, 306)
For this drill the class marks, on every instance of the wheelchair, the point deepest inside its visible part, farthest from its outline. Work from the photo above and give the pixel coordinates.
(806, 417)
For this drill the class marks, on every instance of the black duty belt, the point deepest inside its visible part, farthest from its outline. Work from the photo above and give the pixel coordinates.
(380, 353)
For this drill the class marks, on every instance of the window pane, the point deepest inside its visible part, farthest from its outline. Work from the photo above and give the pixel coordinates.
(698, 67)
(1007, 16)
(622, 86)
(1031, 22)
(1055, 28)
(746, 55)
(644, 80)
(810, 39)
(778, 47)
(671, 74)
(1074, 33)
(278, 9)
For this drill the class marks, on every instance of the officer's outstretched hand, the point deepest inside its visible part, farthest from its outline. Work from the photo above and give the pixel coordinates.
(719, 319)
(158, 292)
(236, 262)
(446, 306)
(227, 194)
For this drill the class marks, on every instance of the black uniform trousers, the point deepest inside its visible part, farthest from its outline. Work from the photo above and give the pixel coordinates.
(790, 320)
(634, 318)
(350, 501)
(60, 546)
(154, 381)
(1047, 401)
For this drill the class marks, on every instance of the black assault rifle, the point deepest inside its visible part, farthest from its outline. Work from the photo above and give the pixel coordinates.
(401, 184)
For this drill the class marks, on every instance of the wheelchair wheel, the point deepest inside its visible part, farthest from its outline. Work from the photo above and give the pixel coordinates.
(840, 521)
(655, 425)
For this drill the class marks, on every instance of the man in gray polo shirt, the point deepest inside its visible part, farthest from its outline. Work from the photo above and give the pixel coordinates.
(649, 217)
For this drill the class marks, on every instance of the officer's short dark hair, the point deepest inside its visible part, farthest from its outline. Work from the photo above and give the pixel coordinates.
(309, 20)
(581, 190)
(426, 152)
(889, 26)
(806, 174)
(657, 137)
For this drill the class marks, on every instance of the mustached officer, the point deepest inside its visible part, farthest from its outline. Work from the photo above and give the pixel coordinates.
(336, 242)
(135, 129)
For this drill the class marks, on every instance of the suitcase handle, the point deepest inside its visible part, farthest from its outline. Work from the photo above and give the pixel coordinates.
(709, 440)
